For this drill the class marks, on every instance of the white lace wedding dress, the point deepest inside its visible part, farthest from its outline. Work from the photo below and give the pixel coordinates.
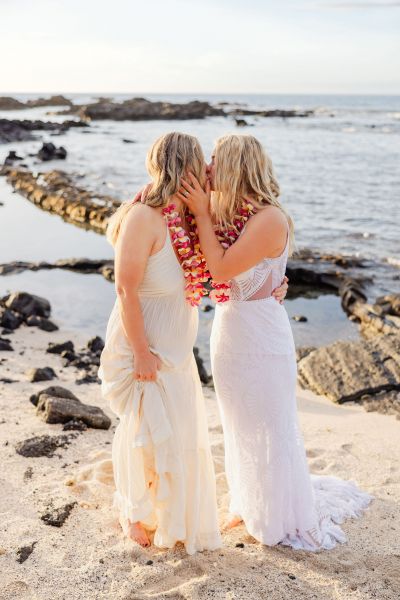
(254, 367)
(162, 463)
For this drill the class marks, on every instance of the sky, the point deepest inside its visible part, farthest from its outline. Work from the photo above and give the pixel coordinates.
(203, 46)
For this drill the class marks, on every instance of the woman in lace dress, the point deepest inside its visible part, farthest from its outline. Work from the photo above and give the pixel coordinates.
(162, 463)
(254, 362)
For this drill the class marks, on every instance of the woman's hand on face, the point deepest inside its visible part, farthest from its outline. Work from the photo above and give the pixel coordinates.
(146, 366)
(280, 292)
(192, 194)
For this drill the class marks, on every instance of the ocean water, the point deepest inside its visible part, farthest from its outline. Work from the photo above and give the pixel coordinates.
(338, 170)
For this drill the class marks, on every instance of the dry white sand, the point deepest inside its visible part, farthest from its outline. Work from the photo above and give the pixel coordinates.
(88, 558)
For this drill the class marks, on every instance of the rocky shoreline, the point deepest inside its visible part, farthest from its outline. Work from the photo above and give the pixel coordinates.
(138, 109)
(16, 130)
(367, 370)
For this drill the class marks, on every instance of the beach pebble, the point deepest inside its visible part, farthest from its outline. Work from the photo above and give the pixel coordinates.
(41, 374)
(149, 562)
(239, 545)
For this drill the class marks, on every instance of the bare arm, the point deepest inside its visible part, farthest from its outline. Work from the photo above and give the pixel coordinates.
(132, 250)
(265, 236)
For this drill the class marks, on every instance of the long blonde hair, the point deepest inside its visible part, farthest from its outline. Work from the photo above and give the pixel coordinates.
(244, 170)
(168, 160)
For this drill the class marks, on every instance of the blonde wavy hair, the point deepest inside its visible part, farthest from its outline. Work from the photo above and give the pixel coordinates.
(168, 160)
(244, 170)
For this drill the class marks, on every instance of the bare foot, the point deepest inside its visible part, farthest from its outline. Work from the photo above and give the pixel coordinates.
(234, 522)
(138, 534)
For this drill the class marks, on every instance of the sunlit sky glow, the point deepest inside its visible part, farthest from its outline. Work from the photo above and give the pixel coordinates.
(220, 46)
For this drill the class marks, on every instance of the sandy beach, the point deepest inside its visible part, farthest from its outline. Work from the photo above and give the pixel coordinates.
(87, 557)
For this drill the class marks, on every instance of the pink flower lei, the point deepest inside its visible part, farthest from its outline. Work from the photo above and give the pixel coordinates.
(191, 258)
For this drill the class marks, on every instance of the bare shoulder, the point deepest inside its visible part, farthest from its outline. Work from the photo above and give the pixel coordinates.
(141, 214)
(271, 218)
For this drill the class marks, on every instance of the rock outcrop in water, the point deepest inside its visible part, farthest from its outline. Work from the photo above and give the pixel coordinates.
(140, 109)
(15, 130)
(56, 192)
(8, 103)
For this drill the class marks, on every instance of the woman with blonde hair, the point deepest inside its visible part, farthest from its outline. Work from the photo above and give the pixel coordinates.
(162, 463)
(253, 356)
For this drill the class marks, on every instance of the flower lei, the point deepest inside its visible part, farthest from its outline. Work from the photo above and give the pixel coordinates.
(191, 258)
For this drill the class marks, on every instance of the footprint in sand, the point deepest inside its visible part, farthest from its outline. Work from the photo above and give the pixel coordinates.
(314, 452)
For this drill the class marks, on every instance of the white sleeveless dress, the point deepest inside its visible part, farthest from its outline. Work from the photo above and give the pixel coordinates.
(162, 463)
(254, 367)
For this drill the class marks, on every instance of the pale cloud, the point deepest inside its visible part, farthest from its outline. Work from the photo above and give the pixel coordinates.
(355, 5)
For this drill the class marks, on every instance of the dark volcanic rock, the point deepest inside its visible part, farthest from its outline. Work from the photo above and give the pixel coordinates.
(140, 109)
(59, 348)
(95, 344)
(61, 410)
(10, 319)
(41, 374)
(51, 101)
(347, 371)
(88, 378)
(272, 113)
(57, 516)
(11, 157)
(24, 552)
(20, 130)
(5, 345)
(8, 103)
(204, 376)
(74, 425)
(49, 151)
(43, 445)
(53, 390)
(41, 323)
(27, 304)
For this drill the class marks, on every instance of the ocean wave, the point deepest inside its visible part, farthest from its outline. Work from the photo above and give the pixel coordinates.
(394, 262)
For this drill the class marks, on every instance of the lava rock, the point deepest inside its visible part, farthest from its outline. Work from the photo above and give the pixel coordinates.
(53, 409)
(75, 425)
(57, 516)
(5, 345)
(11, 157)
(10, 319)
(43, 445)
(300, 318)
(59, 348)
(88, 379)
(204, 376)
(346, 371)
(41, 374)
(49, 152)
(27, 304)
(41, 323)
(24, 552)
(54, 390)
(95, 344)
